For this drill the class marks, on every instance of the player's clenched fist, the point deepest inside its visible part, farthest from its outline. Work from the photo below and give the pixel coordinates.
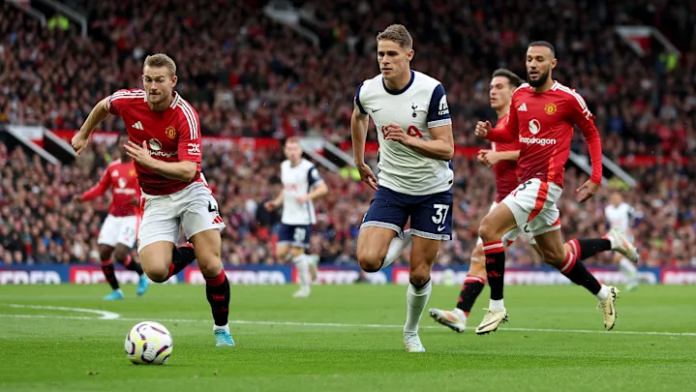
(79, 143)
(483, 128)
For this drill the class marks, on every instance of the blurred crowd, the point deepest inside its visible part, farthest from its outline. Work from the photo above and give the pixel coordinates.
(251, 76)
(39, 223)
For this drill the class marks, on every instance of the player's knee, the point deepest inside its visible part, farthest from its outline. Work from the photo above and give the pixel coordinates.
(282, 254)
(371, 259)
(488, 231)
(157, 274)
(120, 255)
(105, 252)
(419, 277)
(211, 269)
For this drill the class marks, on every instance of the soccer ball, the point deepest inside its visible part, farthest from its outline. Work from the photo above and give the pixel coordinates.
(149, 343)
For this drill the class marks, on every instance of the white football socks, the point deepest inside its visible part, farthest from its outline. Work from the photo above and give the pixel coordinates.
(496, 304)
(396, 246)
(628, 269)
(603, 293)
(302, 265)
(416, 299)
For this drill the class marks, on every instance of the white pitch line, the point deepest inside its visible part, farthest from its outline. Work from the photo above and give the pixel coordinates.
(105, 315)
(342, 325)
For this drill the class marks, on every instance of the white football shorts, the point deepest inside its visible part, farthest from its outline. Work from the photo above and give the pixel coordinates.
(512, 235)
(533, 204)
(119, 230)
(193, 208)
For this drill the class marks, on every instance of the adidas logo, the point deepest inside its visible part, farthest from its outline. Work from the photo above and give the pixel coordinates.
(522, 108)
(138, 125)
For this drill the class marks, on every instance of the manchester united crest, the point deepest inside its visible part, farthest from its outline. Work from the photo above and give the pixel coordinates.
(171, 132)
(550, 108)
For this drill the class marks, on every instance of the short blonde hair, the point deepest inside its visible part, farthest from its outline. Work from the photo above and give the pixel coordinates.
(161, 60)
(397, 33)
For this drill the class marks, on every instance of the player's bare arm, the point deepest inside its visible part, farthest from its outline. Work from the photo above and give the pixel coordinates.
(184, 170)
(441, 147)
(584, 119)
(358, 130)
(484, 129)
(275, 203)
(98, 114)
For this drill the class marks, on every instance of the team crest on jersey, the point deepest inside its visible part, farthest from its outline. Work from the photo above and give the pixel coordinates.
(414, 107)
(550, 108)
(171, 132)
(131, 173)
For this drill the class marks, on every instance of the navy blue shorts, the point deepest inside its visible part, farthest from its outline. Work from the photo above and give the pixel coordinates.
(294, 235)
(431, 215)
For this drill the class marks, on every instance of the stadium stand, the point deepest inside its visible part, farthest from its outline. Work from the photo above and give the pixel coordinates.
(248, 75)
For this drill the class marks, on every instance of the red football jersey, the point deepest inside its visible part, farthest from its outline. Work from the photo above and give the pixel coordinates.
(125, 191)
(505, 171)
(543, 124)
(172, 136)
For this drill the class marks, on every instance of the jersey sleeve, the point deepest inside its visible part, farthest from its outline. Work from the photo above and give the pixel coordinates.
(116, 101)
(313, 177)
(438, 111)
(100, 188)
(507, 133)
(357, 100)
(584, 119)
(189, 135)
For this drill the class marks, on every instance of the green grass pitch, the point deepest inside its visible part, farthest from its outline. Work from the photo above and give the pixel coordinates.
(347, 338)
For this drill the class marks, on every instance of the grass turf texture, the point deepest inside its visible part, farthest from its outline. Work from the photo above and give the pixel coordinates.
(63, 350)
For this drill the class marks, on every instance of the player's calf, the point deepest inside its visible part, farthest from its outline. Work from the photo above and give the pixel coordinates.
(107, 266)
(208, 245)
(161, 260)
(123, 257)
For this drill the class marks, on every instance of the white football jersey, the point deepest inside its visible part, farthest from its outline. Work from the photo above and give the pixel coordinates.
(619, 217)
(297, 181)
(421, 105)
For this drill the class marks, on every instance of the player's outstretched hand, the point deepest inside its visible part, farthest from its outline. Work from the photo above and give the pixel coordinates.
(367, 175)
(79, 143)
(77, 199)
(483, 128)
(140, 154)
(269, 205)
(586, 191)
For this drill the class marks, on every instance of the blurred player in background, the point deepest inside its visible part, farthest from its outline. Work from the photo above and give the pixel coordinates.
(502, 157)
(542, 115)
(302, 184)
(120, 229)
(619, 216)
(165, 143)
(414, 130)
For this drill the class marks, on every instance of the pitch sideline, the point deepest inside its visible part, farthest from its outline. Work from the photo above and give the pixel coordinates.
(106, 315)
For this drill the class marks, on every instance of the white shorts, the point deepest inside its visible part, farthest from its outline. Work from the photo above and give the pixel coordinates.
(119, 230)
(512, 235)
(194, 208)
(533, 204)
